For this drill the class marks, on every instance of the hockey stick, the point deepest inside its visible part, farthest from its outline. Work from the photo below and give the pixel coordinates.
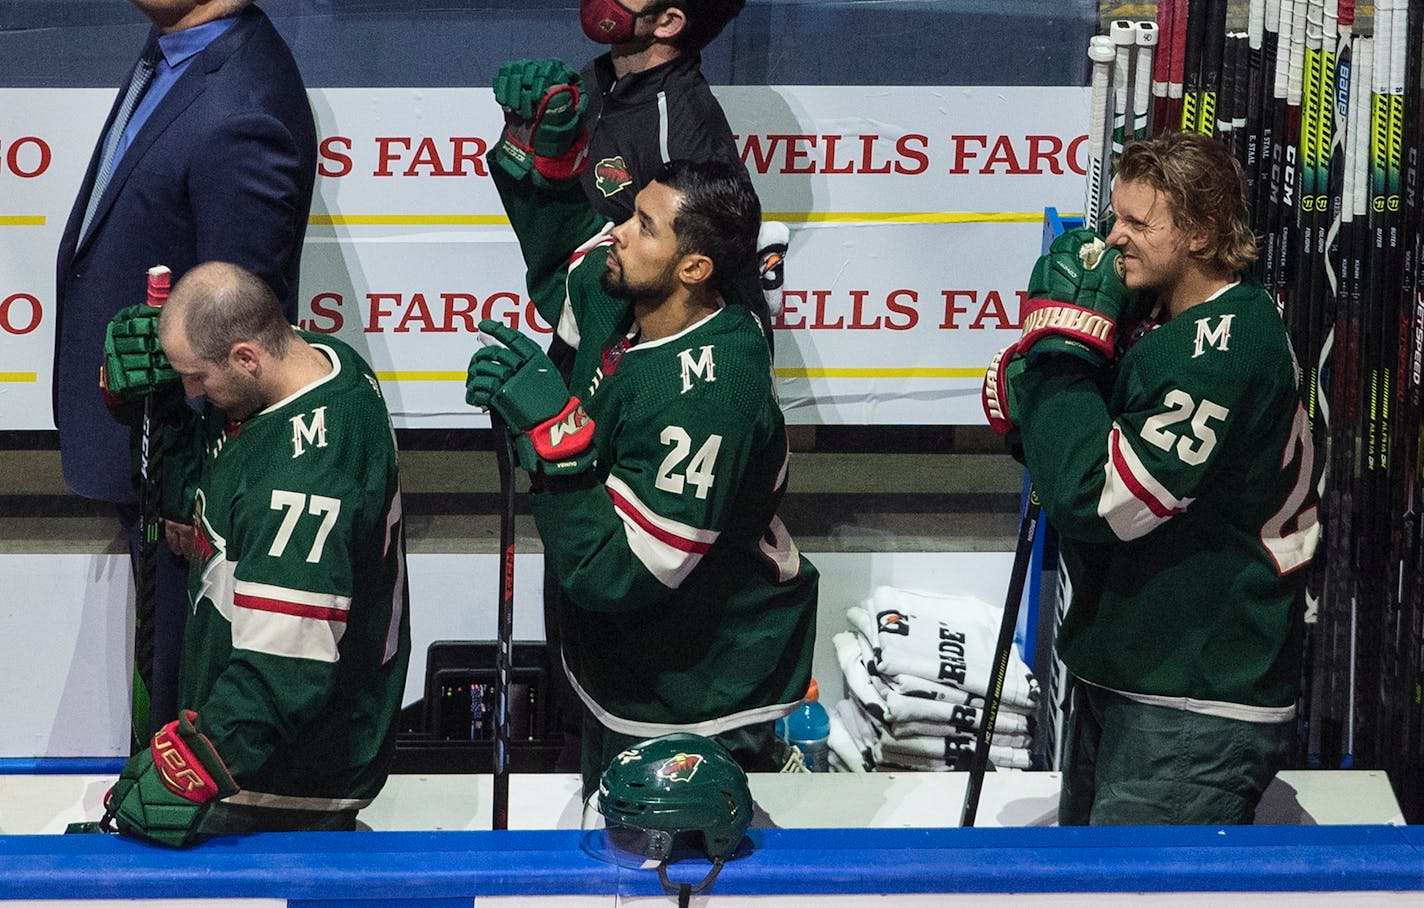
(1122, 34)
(1213, 81)
(504, 652)
(1102, 53)
(1192, 79)
(1411, 743)
(1162, 67)
(1145, 39)
(1231, 108)
(150, 471)
(1176, 72)
(1394, 364)
(1255, 66)
(1003, 649)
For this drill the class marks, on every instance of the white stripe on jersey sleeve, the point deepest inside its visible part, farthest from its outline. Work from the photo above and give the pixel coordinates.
(785, 468)
(567, 329)
(667, 548)
(394, 515)
(280, 621)
(1133, 502)
(781, 550)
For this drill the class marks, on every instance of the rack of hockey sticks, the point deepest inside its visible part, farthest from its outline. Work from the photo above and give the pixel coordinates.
(1321, 103)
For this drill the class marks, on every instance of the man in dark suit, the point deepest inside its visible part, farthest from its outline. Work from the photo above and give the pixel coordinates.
(211, 157)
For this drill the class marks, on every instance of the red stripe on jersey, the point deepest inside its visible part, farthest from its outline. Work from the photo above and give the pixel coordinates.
(300, 610)
(1124, 472)
(574, 259)
(672, 540)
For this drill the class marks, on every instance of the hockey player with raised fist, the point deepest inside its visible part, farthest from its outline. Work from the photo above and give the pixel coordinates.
(646, 102)
(1179, 471)
(657, 469)
(296, 646)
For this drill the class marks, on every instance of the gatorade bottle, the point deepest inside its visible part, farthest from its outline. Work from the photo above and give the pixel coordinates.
(807, 729)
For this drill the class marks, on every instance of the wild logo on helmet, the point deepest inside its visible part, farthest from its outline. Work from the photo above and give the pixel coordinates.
(680, 768)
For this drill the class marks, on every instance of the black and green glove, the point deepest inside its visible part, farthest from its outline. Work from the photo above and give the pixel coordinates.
(553, 436)
(1075, 297)
(543, 136)
(164, 793)
(134, 362)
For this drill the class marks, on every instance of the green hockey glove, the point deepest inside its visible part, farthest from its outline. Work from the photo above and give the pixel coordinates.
(1075, 296)
(543, 136)
(164, 793)
(553, 435)
(134, 362)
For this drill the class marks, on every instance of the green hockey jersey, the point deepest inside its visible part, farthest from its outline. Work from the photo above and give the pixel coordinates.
(1184, 493)
(295, 652)
(692, 609)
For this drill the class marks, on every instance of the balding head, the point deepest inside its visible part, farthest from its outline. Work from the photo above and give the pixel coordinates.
(218, 304)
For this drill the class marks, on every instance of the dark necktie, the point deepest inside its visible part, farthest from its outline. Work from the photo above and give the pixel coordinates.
(142, 75)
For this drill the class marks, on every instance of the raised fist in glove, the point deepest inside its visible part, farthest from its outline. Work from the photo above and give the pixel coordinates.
(514, 378)
(542, 101)
(134, 362)
(164, 792)
(1075, 296)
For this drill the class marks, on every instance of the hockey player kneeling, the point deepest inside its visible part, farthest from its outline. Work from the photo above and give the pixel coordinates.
(657, 470)
(295, 650)
(1177, 466)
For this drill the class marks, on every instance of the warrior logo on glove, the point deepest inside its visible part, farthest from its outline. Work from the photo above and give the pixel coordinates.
(513, 377)
(1076, 294)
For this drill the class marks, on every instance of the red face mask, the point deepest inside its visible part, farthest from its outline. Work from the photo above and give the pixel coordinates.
(607, 21)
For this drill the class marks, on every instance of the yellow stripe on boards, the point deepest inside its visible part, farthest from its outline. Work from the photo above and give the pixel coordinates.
(22, 220)
(789, 217)
(976, 373)
(408, 220)
(19, 377)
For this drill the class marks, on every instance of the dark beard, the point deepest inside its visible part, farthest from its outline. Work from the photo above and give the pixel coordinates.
(618, 288)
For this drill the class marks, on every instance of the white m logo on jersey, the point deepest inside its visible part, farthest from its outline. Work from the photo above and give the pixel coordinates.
(1208, 336)
(703, 367)
(315, 434)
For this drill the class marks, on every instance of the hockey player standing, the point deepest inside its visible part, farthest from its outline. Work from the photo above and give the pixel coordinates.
(655, 486)
(647, 103)
(1177, 466)
(295, 654)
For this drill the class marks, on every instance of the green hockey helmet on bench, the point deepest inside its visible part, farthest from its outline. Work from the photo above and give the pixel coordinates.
(677, 791)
